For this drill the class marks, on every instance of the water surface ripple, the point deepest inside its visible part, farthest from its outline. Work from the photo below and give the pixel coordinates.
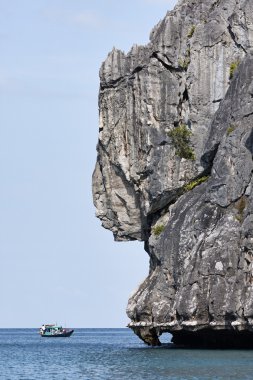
(108, 354)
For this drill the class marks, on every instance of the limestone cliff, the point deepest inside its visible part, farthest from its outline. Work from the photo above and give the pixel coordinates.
(174, 169)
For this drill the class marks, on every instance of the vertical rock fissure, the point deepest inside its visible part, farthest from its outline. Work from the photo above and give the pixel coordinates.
(232, 34)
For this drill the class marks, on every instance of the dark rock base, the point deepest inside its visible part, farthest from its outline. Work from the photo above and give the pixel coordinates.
(148, 335)
(206, 338)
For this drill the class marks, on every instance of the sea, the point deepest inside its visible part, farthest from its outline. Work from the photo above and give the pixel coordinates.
(108, 354)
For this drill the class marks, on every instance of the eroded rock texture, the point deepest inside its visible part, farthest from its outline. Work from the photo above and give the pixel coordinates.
(194, 213)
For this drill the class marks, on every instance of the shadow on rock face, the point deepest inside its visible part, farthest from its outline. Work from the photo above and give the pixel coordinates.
(208, 338)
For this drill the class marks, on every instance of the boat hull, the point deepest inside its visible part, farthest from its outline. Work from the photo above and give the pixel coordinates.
(63, 334)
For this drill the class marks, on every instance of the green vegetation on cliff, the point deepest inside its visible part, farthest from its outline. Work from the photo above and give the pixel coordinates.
(232, 68)
(158, 229)
(180, 137)
(195, 183)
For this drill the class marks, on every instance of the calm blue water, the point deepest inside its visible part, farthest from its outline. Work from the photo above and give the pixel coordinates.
(105, 354)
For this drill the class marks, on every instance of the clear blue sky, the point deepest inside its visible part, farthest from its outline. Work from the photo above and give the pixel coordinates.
(57, 263)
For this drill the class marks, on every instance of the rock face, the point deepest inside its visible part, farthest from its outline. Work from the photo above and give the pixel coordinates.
(174, 169)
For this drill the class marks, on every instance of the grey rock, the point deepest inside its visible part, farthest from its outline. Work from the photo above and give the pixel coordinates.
(179, 77)
(202, 261)
(195, 215)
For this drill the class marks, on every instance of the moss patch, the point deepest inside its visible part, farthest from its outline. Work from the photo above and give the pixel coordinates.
(180, 137)
(191, 31)
(184, 62)
(158, 229)
(195, 183)
(240, 207)
(232, 68)
(231, 129)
